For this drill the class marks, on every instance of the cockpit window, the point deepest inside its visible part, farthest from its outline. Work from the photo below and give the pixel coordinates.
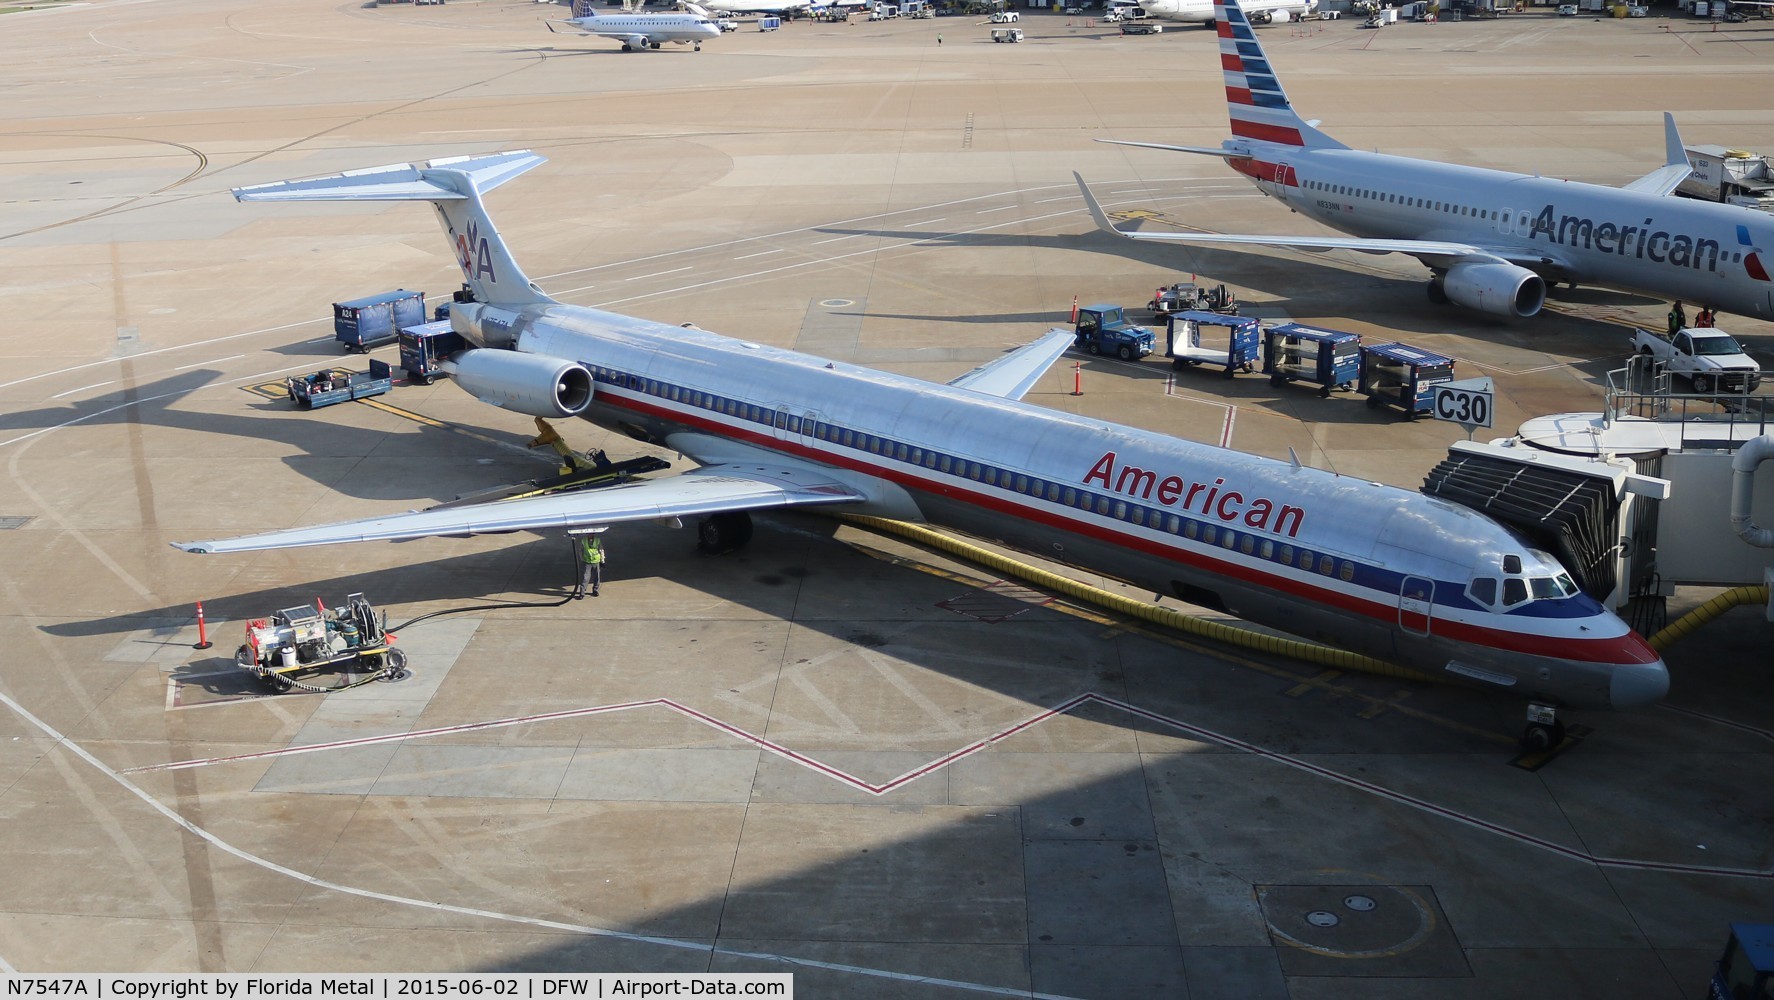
(1515, 590)
(1512, 563)
(1484, 590)
(1550, 587)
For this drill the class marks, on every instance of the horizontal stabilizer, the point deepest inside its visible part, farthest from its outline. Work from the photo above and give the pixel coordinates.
(711, 490)
(1230, 154)
(397, 182)
(1014, 374)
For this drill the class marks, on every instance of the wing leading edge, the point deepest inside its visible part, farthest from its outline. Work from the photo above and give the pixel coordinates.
(710, 490)
(1014, 374)
(1441, 251)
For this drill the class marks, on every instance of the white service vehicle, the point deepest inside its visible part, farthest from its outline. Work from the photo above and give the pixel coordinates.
(1006, 17)
(1710, 359)
(1007, 34)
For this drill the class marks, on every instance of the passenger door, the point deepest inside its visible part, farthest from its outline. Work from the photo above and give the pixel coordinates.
(1416, 605)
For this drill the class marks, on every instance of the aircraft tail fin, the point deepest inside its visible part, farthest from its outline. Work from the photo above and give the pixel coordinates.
(453, 185)
(1255, 102)
(582, 8)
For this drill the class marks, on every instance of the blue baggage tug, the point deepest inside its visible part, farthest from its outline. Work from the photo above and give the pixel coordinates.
(1402, 376)
(369, 322)
(1329, 359)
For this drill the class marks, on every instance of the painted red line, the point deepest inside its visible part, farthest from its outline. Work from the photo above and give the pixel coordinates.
(1065, 707)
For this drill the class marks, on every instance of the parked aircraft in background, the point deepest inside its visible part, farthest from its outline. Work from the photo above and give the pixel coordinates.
(1202, 11)
(778, 7)
(1377, 569)
(642, 31)
(1493, 239)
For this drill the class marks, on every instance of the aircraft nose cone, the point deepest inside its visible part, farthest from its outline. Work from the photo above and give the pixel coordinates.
(1636, 685)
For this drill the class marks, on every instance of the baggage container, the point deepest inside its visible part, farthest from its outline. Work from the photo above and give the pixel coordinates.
(364, 323)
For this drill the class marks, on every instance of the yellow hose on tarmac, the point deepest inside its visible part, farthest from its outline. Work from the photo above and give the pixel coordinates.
(1262, 642)
(1707, 612)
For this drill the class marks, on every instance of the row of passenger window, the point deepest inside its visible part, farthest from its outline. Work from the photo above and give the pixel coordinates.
(1398, 199)
(1017, 482)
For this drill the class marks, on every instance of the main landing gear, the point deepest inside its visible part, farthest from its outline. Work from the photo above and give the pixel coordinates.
(1544, 731)
(719, 533)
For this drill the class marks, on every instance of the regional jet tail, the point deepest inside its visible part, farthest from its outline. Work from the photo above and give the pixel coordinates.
(1493, 239)
(1380, 570)
(642, 31)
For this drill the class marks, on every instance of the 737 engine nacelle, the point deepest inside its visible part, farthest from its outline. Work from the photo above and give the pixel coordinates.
(526, 383)
(1496, 288)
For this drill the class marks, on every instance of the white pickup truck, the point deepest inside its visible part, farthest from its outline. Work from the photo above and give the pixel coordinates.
(1710, 359)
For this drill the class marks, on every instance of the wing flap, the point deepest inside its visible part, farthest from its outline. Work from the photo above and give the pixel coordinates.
(1014, 374)
(710, 490)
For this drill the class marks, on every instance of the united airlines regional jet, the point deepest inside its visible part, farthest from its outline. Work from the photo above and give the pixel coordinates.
(1492, 238)
(1372, 568)
(642, 31)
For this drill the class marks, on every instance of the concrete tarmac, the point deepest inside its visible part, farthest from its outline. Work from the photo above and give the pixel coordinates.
(729, 763)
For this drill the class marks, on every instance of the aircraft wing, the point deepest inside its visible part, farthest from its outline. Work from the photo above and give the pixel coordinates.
(1014, 374)
(709, 490)
(1676, 170)
(1416, 248)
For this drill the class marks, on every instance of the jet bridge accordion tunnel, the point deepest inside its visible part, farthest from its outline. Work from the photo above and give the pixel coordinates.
(1574, 515)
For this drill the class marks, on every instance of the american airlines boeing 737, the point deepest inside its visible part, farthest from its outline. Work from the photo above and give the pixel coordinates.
(1368, 567)
(1492, 238)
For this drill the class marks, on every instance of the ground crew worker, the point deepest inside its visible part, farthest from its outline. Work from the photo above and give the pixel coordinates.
(1705, 319)
(1677, 318)
(591, 557)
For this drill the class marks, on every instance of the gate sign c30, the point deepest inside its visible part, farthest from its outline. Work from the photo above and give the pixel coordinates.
(1468, 402)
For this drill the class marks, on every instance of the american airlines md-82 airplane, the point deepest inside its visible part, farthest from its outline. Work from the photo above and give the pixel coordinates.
(1372, 568)
(1492, 238)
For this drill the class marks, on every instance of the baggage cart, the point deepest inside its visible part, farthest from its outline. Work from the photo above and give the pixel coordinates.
(1402, 376)
(1329, 359)
(1188, 330)
(368, 322)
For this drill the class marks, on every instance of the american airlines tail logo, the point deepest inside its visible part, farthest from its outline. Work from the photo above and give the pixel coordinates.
(1752, 257)
(475, 256)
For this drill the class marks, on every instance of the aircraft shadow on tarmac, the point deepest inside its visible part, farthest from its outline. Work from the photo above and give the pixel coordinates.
(1400, 304)
(1086, 889)
(320, 440)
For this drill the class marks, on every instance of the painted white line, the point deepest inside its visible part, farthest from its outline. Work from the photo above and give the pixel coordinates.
(837, 239)
(161, 350)
(987, 211)
(216, 361)
(760, 253)
(83, 388)
(926, 222)
(709, 949)
(1069, 197)
(656, 274)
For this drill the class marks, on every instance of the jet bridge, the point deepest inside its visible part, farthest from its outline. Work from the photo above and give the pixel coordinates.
(1573, 507)
(1577, 485)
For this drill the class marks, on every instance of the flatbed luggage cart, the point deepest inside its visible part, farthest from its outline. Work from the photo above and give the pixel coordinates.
(1187, 330)
(1329, 359)
(1402, 376)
